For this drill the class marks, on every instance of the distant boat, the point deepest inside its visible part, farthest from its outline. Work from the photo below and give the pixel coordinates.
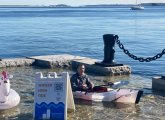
(137, 7)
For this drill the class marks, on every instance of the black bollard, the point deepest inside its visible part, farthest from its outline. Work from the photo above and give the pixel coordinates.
(109, 43)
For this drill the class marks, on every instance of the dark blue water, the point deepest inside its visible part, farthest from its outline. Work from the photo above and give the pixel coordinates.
(78, 31)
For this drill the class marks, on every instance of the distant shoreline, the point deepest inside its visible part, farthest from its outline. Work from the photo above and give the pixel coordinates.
(84, 6)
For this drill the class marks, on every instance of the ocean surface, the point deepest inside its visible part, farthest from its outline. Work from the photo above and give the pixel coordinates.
(79, 31)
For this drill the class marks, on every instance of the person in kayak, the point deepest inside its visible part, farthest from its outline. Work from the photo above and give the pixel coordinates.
(80, 81)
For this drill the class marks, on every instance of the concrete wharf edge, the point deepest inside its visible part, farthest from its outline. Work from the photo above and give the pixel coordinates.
(65, 61)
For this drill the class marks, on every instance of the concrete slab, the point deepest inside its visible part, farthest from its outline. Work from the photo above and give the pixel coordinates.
(158, 83)
(70, 61)
(52, 61)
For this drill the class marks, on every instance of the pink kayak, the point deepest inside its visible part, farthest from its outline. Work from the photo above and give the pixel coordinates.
(115, 95)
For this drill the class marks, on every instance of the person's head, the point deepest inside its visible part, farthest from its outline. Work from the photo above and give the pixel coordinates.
(81, 69)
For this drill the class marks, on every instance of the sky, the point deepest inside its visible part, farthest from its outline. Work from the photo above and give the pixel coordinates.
(73, 2)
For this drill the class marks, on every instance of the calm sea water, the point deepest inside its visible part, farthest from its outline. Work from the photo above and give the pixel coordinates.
(79, 31)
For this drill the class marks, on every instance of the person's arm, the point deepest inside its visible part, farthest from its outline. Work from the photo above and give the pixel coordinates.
(90, 85)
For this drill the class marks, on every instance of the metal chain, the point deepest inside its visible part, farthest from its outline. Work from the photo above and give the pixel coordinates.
(140, 59)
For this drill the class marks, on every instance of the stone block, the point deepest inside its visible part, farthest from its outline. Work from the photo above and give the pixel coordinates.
(16, 62)
(91, 67)
(158, 83)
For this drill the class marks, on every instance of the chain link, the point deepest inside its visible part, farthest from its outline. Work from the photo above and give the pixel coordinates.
(140, 59)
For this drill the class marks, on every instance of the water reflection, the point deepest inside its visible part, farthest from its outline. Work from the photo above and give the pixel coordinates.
(114, 105)
(104, 110)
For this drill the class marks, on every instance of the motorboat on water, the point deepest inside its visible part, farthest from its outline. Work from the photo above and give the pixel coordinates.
(9, 98)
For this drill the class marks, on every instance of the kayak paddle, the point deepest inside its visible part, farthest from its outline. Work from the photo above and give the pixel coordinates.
(116, 84)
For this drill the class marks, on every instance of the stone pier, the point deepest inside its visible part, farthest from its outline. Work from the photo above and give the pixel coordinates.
(91, 67)
(66, 61)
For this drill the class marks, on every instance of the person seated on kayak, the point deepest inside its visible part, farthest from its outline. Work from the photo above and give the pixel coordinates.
(80, 81)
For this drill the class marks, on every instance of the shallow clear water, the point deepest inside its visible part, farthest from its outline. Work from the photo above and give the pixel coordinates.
(151, 105)
(78, 31)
